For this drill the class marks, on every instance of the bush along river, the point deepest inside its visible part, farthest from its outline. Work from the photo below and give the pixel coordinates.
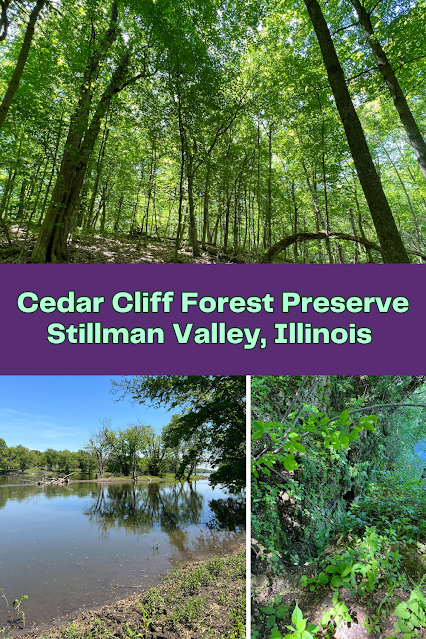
(84, 545)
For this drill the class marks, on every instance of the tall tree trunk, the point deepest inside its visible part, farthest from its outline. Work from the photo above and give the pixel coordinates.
(410, 204)
(4, 20)
(357, 246)
(51, 245)
(21, 201)
(181, 179)
(52, 173)
(320, 224)
(206, 205)
(104, 199)
(268, 230)
(393, 250)
(97, 177)
(23, 55)
(117, 219)
(296, 221)
(192, 219)
(401, 105)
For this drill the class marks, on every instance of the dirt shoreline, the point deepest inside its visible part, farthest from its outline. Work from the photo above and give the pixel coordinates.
(203, 598)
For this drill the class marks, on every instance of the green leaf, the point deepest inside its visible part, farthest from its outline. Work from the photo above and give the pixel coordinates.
(271, 621)
(301, 625)
(299, 447)
(268, 610)
(332, 569)
(344, 441)
(336, 581)
(401, 611)
(297, 615)
(275, 634)
(312, 627)
(257, 435)
(282, 611)
(290, 463)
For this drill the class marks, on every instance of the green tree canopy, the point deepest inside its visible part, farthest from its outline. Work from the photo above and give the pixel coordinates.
(211, 424)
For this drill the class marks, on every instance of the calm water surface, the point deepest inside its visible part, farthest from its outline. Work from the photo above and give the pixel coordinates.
(86, 544)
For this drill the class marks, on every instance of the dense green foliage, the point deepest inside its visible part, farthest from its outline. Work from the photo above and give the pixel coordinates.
(210, 426)
(124, 451)
(334, 456)
(21, 458)
(359, 493)
(207, 123)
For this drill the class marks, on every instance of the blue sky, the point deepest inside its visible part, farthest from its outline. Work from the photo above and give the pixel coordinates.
(62, 411)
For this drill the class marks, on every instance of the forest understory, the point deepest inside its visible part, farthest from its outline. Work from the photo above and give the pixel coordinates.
(100, 249)
(338, 507)
(261, 131)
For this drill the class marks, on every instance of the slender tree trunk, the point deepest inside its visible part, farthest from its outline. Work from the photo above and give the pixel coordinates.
(320, 224)
(296, 221)
(21, 201)
(206, 205)
(17, 73)
(401, 105)
(97, 177)
(361, 225)
(268, 233)
(351, 215)
(410, 204)
(52, 173)
(104, 200)
(393, 250)
(181, 179)
(117, 219)
(192, 219)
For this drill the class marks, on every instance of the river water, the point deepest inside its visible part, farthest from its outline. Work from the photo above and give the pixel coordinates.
(82, 545)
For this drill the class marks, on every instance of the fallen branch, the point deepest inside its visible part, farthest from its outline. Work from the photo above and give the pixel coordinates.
(280, 246)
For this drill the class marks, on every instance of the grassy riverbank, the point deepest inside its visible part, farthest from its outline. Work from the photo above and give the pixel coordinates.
(204, 599)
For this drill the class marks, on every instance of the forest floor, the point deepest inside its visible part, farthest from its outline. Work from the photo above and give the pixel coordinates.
(204, 599)
(285, 582)
(94, 248)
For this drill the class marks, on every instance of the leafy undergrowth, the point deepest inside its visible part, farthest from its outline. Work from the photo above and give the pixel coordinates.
(205, 599)
(371, 582)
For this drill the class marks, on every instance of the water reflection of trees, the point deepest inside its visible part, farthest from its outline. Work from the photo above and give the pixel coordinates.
(229, 513)
(23, 492)
(140, 508)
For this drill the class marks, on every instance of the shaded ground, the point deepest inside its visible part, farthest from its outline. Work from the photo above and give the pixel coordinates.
(202, 599)
(266, 585)
(98, 249)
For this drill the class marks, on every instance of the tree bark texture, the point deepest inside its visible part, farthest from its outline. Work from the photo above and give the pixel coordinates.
(22, 58)
(393, 250)
(401, 105)
(51, 245)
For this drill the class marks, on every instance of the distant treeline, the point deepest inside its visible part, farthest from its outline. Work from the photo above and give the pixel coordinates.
(137, 449)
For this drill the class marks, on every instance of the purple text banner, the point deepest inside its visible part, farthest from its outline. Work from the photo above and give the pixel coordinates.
(212, 319)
